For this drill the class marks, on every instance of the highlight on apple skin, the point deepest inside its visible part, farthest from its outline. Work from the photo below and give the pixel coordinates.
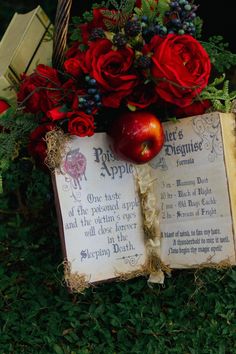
(137, 136)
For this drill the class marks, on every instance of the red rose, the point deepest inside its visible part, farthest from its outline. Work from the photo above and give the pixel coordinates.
(180, 68)
(72, 51)
(143, 96)
(37, 145)
(3, 106)
(72, 66)
(80, 124)
(112, 69)
(78, 56)
(196, 108)
(41, 91)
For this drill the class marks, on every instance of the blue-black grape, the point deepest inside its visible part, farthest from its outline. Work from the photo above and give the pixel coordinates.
(180, 17)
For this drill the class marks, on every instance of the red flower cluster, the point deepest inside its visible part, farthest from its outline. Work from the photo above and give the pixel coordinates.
(137, 66)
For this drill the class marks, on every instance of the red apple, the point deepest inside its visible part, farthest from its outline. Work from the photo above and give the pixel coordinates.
(137, 136)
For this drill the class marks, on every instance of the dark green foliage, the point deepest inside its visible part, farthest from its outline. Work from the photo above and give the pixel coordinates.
(221, 57)
(15, 128)
(198, 23)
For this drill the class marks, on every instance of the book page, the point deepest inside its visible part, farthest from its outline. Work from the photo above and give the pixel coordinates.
(100, 210)
(193, 195)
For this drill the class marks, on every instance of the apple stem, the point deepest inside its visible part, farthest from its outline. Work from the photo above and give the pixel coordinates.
(145, 147)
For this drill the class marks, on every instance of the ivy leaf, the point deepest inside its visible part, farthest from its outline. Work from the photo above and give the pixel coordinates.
(76, 35)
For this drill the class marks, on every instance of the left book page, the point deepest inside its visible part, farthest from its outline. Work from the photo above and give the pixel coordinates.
(99, 211)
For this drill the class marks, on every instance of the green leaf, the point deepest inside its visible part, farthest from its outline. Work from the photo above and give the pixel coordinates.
(83, 47)
(57, 349)
(76, 35)
(131, 108)
(76, 20)
(64, 109)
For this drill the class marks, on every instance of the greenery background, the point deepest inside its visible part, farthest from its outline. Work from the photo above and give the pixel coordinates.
(193, 313)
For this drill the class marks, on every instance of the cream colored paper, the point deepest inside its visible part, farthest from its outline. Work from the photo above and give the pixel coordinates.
(100, 210)
(193, 194)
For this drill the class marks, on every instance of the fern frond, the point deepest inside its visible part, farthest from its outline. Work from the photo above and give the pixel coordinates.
(128, 6)
(221, 99)
(221, 57)
(118, 18)
(109, 25)
(110, 14)
(218, 80)
(198, 23)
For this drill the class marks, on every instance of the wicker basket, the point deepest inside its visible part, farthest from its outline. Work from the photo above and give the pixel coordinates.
(60, 32)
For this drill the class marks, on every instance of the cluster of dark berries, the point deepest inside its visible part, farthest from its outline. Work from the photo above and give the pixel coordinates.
(144, 62)
(133, 27)
(92, 98)
(119, 40)
(180, 17)
(97, 33)
(151, 29)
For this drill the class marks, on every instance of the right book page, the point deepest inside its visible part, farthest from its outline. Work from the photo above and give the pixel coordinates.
(194, 174)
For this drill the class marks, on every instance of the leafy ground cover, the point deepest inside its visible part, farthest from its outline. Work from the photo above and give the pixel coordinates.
(193, 313)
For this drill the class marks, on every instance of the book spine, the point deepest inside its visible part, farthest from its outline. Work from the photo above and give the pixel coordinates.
(228, 128)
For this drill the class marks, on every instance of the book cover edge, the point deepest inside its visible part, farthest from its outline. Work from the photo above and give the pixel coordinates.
(228, 128)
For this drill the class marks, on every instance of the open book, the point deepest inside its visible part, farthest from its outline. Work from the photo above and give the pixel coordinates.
(179, 208)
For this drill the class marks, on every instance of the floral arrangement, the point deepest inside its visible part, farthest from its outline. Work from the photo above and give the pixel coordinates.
(143, 55)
